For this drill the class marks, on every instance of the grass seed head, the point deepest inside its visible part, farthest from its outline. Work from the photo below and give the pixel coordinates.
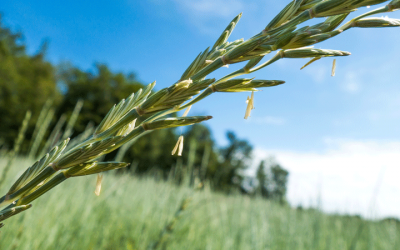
(312, 52)
(377, 22)
(94, 168)
(286, 14)
(8, 212)
(331, 8)
(174, 122)
(227, 32)
(366, 3)
(394, 5)
(244, 85)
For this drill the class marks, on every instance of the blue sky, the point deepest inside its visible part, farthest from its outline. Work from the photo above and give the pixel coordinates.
(321, 128)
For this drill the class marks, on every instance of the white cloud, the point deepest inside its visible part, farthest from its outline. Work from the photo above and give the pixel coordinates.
(318, 71)
(208, 15)
(204, 14)
(212, 8)
(269, 120)
(342, 122)
(359, 177)
(351, 82)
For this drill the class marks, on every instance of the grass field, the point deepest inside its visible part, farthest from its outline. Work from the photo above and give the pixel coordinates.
(130, 213)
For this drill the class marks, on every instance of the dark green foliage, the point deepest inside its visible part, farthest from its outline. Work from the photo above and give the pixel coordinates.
(154, 151)
(279, 180)
(272, 181)
(26, 82)
(234, 158)
(29, 81)
(262, 180)
(100, 90)
(204, 140)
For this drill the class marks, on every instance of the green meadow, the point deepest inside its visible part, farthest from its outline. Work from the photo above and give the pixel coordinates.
(141, 213)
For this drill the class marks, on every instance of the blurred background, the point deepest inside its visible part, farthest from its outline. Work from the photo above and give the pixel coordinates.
(326, 146)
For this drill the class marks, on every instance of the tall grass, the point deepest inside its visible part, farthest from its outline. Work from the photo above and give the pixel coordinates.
(17, 145)
(131, 213)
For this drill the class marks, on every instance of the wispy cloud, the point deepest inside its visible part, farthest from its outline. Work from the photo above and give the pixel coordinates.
(319, 71)
(207, 15)
(204, 14)
(211, 8)
(269, 120)
(351, 176)
(352, 82)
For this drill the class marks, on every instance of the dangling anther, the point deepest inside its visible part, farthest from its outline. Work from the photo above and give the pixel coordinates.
(311, 61)
(178, 146)
(333, 67)
(250, 105)
(98, 184)
(187, 111)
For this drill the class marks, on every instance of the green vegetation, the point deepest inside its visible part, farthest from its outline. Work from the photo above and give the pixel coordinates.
(132, 212)
(141, 213)
(78, 100)
(22, 76)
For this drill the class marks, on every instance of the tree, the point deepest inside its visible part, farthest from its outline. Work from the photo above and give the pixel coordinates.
(262, 179)
(272, 180)
(205, 161)
(26, 83)
(153, 151)
(234, 159)
(100, 89)
(279, 181)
